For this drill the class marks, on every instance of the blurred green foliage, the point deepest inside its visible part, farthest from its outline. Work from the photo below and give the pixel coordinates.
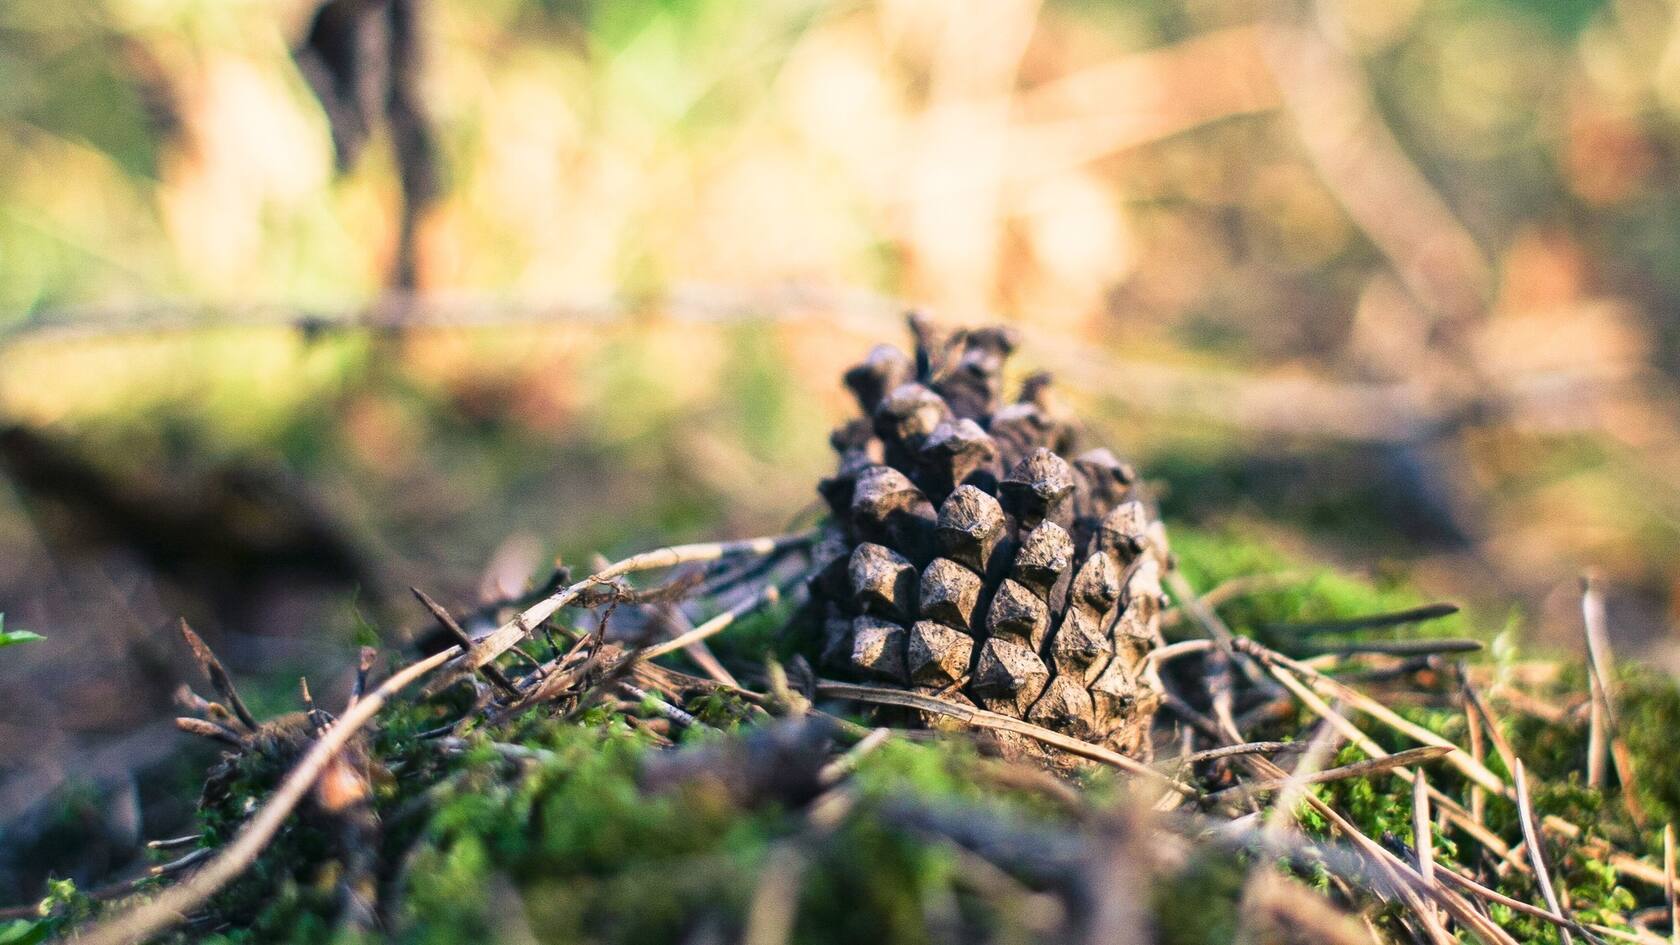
(12, 637)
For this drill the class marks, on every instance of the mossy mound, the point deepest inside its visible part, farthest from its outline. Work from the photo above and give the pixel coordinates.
(698, 813)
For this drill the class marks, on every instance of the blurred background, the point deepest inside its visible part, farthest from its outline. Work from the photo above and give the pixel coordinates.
(302, 304)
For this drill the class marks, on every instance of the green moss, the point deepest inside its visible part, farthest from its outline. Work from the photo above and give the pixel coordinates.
(1311, 592)
(1197, 905)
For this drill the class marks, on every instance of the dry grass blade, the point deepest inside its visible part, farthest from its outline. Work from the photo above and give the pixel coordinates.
(1423, 840)
(1515, 905)
(1668, 884)
(1323, 710)
(697, 651)
(1625, 864)
(1234, 588)
(1642, 936)
(171, 906)
(832, 772)
(1173, 651)
(1502, 747)
(1405, 880)
(1319, 747)
(1458, 758)
(1358, 769)
(1307, 916)
(180, 863)
(1531, 837)
(1451, 808)
(980, 718)
(775, 903)
(170, 843)
(1604, 735)
(1224, 640)
(1602, 720)
(1478, 751)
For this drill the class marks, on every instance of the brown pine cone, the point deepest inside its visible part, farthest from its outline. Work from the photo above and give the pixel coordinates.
(975, 555)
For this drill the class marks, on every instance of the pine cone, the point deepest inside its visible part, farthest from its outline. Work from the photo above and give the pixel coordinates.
(973, 555)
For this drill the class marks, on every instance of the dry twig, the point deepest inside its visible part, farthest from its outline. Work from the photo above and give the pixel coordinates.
(1531, 837)
(501, 639)
(980, 718)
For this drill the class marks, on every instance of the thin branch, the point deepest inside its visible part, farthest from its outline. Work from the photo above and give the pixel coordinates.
(498, 641)
(448, 623)
(981, 718)
(1468, 766)
(769, 595)
(219, 677)
(1230, 751)
(664, 708)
